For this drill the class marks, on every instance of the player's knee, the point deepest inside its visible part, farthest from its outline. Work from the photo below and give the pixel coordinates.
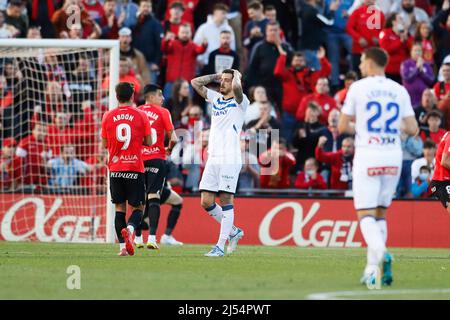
(206, 203)
(226, 199)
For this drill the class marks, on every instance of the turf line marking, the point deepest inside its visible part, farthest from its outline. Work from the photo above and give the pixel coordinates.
(337, 294)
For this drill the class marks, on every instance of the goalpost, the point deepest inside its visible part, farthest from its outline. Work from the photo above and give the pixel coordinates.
(53, 178)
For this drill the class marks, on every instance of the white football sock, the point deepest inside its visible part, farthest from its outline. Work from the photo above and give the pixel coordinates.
(382, 224)
(138, 239)
(215, 211)
(226, 226)
(234, 230)
(374, 239)
(151, 239)
(121, 246)
(130, 228)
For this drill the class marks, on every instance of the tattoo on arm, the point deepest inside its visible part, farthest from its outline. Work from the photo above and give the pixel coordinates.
(237, 89)
(199, 83)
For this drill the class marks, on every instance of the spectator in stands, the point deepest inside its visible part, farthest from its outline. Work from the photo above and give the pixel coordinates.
(424, 36)
(34, 32)
(54, 98)
(434, 130)
(313, 24)
(95, 9)
(95, 179)
(15, 18)
(34, 153)
(147, 36)
(59, 19)
(179, 100)
(417, 74)
(298, 80)
(262, 63)
(10, 165)
(59, 133)
(109, 23)
(442, 88)
(127, 10)
(266, 121)
(341, 162)
(7, 30)
(189, 6)
(322, 98)
(258, 96)
(270, 12)
(137, 57)
(428, 103)
(40, 14)
(82, 81)
(6, 97)
(209, 32)
(361, 28)
(255, 28)
(224, 57)
(307, 134)
(412, 15)
(350, 77)
(126, 74)
(429, 153)
(65, 170)
(394, 38)
(276, 163)
(420, 186)
(175, 18)
(441, 30)
(384, 5)
(337, 37)
(310, 178)
(181, 53)
(75, 32)
(250, 173)
(334, 139)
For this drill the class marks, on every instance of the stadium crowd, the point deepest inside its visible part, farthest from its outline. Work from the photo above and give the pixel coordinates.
(298, 59)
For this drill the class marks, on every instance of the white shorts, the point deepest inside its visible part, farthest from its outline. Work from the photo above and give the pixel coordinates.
(375, 178)
(220, 177)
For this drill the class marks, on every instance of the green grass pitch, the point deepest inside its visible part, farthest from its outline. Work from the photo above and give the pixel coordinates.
(39, 271)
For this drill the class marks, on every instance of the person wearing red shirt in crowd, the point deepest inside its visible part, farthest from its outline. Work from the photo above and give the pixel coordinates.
(280, 161)
(340, 161)
(188, 6)
(10, 165)
(424, 36)
(340, 96)
(109, 23)
(175, 20)
(434, 131)
(322, 98)
(126, 74)
(6, 98)
(94, 8)
(394, 38)
(155, 159)
(34, 153)
(94, 180)
(182, 55)
(364, 26)
(310, 178)
(297, 80)
(58, 132)
(442, 88)
(440, 184)
(125, 130)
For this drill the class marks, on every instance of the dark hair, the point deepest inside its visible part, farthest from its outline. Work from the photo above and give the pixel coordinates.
(429, 144)
(178, 5)
(151, 89)
(377, 55)
(124, 91)
(418, 36)
(282, 141)
(314, 106)
(425, 168)
(255, 5)
(273, 23)
(351, 75)
(225, 31)
(220, 6)
(229, 71)
(434, 114)
(269, 8)
(389, 23)
(298, 54)
(447, 64)
(316, 163)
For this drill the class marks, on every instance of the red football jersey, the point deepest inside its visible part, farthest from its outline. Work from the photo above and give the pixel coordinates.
(441, 173)
(161, 122)
(124, 129)
(35, 155)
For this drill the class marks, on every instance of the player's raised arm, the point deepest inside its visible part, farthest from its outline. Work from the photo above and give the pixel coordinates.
(199, 84)
(236, 86)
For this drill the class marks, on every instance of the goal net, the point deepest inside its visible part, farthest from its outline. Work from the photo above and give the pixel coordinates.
(53, 182)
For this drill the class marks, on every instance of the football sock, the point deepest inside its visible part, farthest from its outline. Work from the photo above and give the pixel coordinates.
(154, 211)
(119, 224)
(215, 211)
(172, 218)
(151, 238)
(122, 245)
(226, 225)
(381, 222)
(374, 239)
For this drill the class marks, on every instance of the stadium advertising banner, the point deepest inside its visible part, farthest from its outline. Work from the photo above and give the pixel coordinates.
(266, 221)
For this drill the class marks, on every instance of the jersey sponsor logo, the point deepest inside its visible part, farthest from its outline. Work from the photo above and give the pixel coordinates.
(150, 150)
(382, 141)
(124, 175)
(129, 158)
(382, 171)
(219, 112)
(123, 116)
(152, 115)
(152, 169)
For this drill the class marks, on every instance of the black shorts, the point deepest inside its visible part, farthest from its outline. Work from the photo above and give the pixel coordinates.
(155, 175)
(441, 190)
(127, 186)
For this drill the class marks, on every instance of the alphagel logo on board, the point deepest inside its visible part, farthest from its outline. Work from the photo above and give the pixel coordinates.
(64, 229)
(323, 233)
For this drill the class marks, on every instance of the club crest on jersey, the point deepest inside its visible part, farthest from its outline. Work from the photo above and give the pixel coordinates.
(115, 159)
(374, 140)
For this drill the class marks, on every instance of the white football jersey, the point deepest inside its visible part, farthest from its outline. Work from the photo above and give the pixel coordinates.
(379, 104)
(227, 119)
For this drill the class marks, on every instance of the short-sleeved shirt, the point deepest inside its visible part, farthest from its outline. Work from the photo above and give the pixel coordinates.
(227, 119)
(124, 129)
(160, 122)
(65, 174)
(378, 104)
(441, 173)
